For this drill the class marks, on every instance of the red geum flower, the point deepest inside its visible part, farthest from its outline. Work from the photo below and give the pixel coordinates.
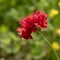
(30, 23)
(42, 19)
(25, 33)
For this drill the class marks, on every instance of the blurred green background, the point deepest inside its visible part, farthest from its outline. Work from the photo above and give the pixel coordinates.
(13, 47)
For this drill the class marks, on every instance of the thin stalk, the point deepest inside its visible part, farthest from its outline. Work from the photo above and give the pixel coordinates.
(49, 45)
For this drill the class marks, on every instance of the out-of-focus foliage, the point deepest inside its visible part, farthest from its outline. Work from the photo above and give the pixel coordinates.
(11, 11)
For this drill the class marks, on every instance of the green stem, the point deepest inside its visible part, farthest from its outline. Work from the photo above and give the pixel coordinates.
(49, 45)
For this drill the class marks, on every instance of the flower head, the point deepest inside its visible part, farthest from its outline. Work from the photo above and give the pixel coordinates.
(31, 22)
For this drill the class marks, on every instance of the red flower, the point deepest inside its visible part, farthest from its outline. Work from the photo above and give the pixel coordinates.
(25, 33)
(30, 23)
(42, 19)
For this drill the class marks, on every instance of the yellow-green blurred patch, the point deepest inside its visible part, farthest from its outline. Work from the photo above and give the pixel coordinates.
(55, 45)
(58, 31)
(59, 4)
(6, 41)
(3, 29)
(13, 36)
(13, 2)
(53, 12)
